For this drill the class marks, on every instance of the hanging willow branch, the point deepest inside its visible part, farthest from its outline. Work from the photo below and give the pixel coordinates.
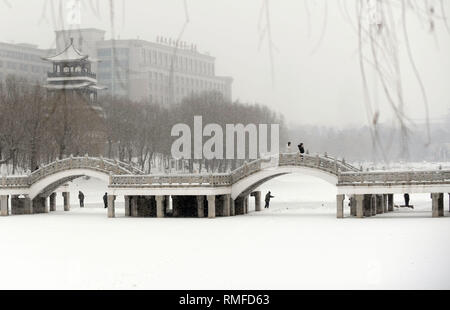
(381, 28)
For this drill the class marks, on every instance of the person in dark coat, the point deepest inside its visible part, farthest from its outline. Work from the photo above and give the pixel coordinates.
(406, 196)
(81, 198)
(268, 196)
(105, 200)
(301, 149)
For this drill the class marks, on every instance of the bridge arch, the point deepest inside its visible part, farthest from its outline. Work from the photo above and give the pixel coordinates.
(248, 184)
(51, 182)
(48, 178)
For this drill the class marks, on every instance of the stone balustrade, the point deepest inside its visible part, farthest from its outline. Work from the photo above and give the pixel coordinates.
(171, 180)
(395, 177)
(325, 163)
(99, 164)
(125, 175)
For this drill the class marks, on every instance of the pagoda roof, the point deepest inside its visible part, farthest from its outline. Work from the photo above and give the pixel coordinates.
(70, 53)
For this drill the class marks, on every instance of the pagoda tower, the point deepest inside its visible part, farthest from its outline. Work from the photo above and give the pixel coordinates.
(72, 74)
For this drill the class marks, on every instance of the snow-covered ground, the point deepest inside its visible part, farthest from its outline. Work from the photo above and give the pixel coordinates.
(296, 244)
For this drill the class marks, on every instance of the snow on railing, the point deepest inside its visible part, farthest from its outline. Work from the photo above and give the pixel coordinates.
(395, 177)
(170, 180)
(125, 175)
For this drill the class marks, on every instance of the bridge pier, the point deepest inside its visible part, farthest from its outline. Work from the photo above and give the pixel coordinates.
(66, 197)
(52, 202)
(340, 206)
(200, 206)
(166, 204)
(359, 206)
(257, 196)
(211, 206)
(111, 206)
(437, 204)
(160, 212)
(4, 201)
(246, 204)
(390, 202)
(232, 207)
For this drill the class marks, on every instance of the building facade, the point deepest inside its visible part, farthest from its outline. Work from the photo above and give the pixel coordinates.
(158, 72)
(24, 60)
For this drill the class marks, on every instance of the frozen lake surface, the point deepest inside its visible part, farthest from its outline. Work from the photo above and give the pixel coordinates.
(290, 246)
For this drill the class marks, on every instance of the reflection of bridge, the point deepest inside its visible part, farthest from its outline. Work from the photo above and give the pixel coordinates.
(222, 194)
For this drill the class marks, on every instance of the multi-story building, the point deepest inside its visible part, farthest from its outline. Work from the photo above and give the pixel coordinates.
(161, 71)
(154, 71)
(24, 60)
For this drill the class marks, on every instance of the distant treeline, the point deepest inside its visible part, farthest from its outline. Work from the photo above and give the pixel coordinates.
(357, 144)
(37, 128)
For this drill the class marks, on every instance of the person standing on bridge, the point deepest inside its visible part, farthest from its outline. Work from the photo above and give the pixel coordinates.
(268, 196)
(301, 149)
(105, 200)
(81, 198)
(288, 147)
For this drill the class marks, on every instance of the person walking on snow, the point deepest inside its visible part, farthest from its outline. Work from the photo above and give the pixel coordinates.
(268, 196)
(406, 196)
(81, 198)
(301, 149)
(105, 200)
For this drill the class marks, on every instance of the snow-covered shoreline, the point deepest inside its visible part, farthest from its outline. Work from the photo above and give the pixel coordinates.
(289, 246)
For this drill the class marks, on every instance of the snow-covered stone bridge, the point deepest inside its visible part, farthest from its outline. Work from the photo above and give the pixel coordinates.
(220, 194)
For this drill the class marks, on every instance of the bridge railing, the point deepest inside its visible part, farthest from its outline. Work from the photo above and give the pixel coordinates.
(129, 167)
(395, 177)
(174, 180)
(246, 170)
(85, 162)
(13, 181)
(325, 163)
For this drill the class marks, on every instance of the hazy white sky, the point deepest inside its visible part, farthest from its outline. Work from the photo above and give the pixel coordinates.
(315, 86)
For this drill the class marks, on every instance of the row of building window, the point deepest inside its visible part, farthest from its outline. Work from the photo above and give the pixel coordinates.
(192, 65)
(164, 99)
(152, 57)
(181, 80)
(24, 67)
(118, 51)
(19, 55)
(184, 90)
